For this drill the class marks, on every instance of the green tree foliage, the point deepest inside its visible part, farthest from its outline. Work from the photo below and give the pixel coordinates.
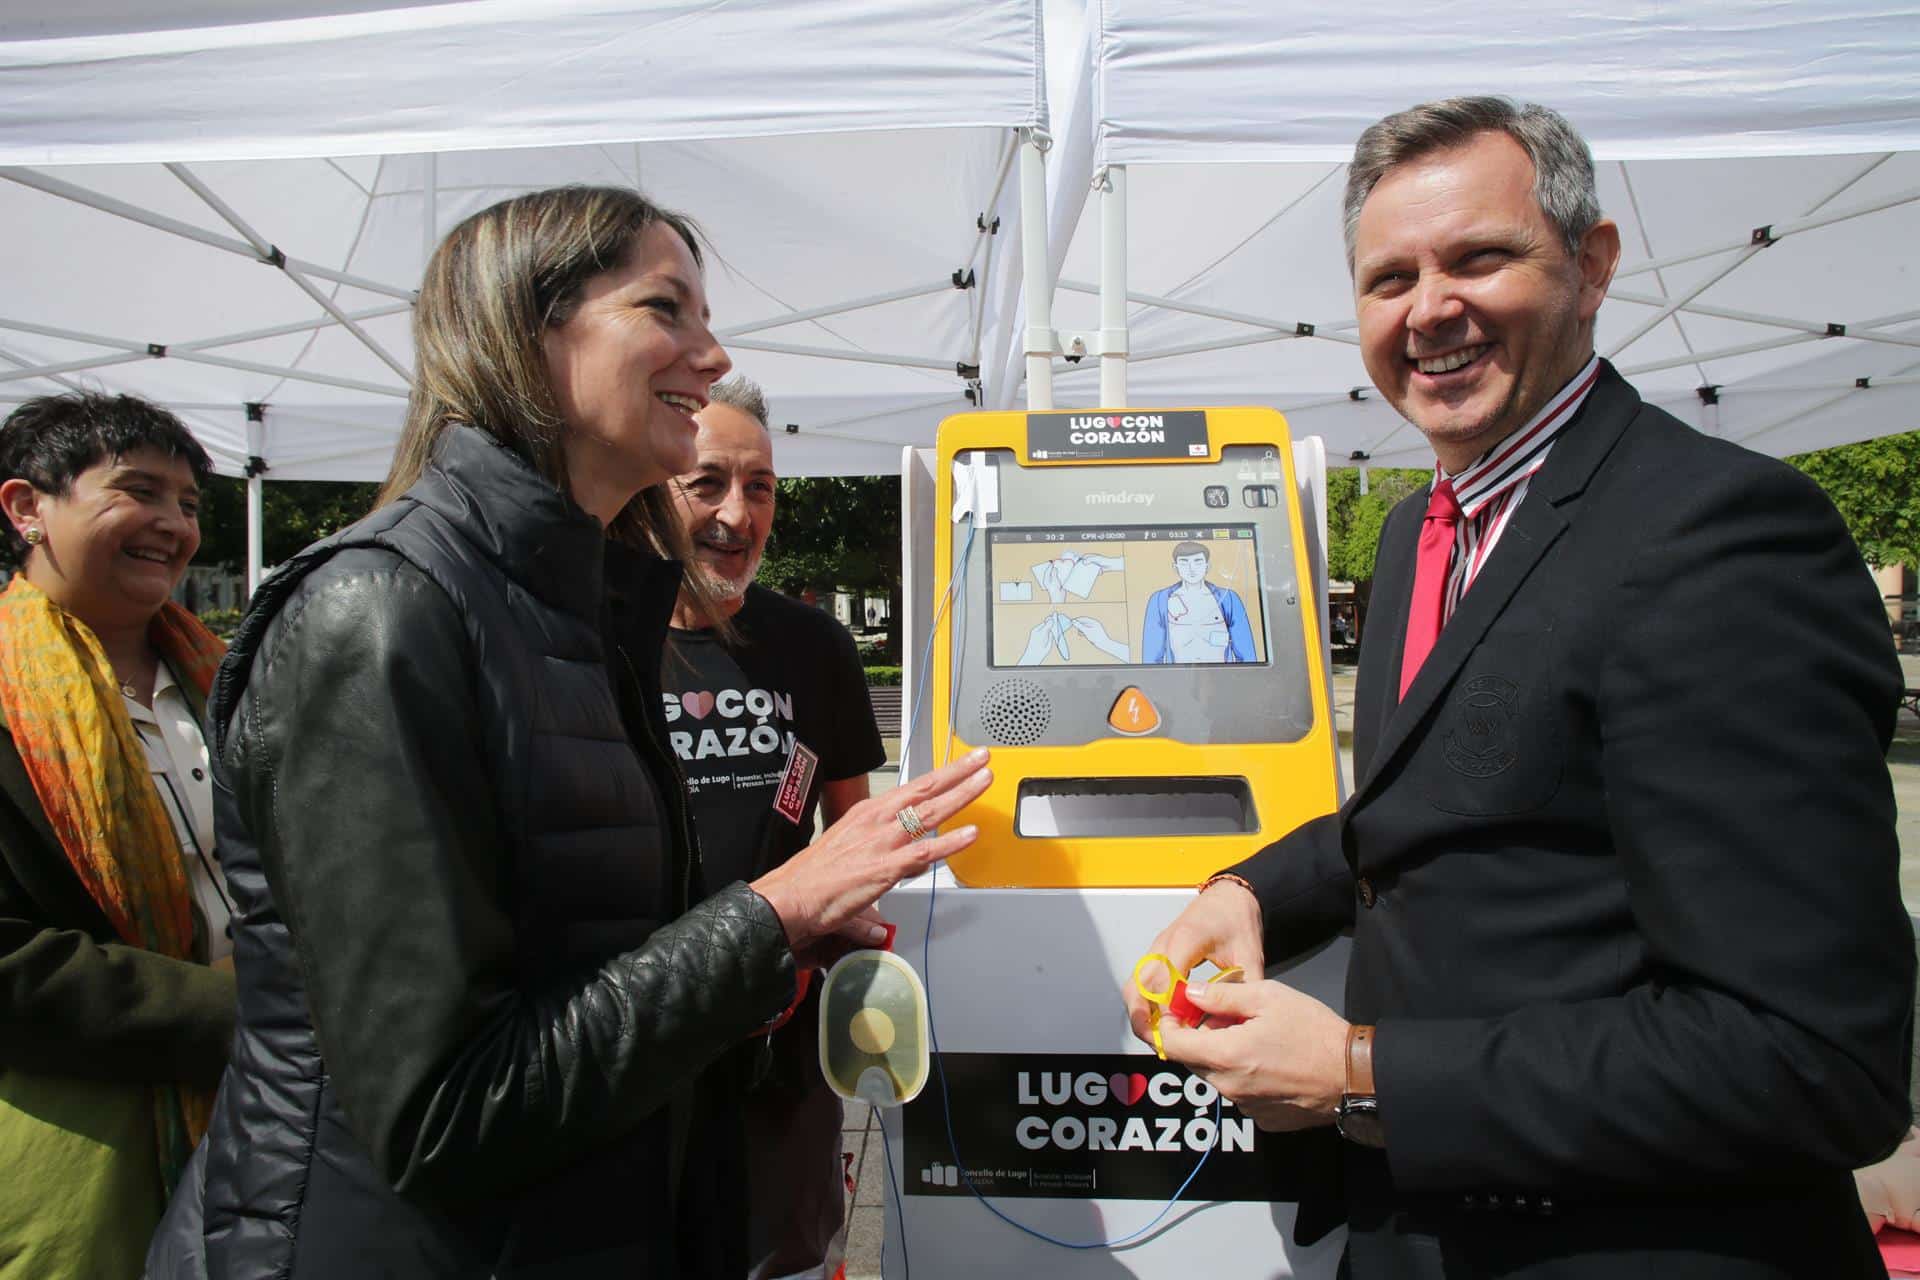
(1876, 486)
(838, 533)
(1354, 519)
(297, 512)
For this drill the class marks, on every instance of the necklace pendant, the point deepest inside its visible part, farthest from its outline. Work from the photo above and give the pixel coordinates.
(129, 690)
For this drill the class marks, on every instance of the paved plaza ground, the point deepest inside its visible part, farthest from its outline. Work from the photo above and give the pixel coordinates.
(862, 1129)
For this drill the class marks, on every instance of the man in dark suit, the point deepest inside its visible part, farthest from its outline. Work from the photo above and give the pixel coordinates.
(1631, 979)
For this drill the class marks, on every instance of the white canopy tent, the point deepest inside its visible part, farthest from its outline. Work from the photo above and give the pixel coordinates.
(851, 163)
(1760, 158)
(853, 160)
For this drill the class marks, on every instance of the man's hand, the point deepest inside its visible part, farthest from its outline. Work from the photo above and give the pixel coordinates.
(1285, 1066)
(1221, 925)
(1890, 1190)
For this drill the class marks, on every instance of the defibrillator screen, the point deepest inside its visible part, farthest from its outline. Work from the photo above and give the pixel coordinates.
(1125, 596)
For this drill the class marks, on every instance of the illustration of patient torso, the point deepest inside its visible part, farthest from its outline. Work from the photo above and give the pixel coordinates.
(1196, 629)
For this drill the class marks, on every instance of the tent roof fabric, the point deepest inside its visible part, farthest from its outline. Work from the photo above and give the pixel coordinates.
(853, 164)
(848, 161)
(1763, 162)
(299, 78)
(1247, 82)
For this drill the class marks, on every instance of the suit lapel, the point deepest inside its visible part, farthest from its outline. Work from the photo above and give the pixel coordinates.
(1386, 635)
(1534, 527)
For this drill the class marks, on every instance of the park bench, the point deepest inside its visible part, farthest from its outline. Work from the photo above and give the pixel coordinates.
(886, 708)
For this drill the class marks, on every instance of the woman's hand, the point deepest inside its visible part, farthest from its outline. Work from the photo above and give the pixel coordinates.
(832, 884)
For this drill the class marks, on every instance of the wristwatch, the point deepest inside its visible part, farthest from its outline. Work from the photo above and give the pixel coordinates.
(1357, 1114)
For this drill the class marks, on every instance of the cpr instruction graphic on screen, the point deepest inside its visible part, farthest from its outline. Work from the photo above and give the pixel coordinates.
(1127, 595)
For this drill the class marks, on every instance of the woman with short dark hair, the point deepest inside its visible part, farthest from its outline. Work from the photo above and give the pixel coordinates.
(488, 1006)
(113, 1025)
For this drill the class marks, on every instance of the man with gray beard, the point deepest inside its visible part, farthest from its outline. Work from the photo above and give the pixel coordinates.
(767, 711)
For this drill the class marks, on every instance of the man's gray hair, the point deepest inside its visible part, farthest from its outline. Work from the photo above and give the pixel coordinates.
(744, 394)
(1562, 164)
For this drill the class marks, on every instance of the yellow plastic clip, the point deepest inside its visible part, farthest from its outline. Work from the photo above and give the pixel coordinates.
(1172, 997)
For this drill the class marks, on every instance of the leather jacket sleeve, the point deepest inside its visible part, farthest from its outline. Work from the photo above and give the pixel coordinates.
(353, 758)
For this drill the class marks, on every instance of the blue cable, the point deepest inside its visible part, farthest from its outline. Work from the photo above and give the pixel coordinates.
(899, 1205)
(955, 590)
(926, 653)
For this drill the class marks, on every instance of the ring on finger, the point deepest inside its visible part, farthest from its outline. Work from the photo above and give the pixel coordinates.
(909, 819)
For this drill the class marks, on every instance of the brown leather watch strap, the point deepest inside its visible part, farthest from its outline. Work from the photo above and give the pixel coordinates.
(1360, 1062)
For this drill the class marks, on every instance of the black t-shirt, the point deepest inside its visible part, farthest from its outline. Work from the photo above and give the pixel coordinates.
(733, 715)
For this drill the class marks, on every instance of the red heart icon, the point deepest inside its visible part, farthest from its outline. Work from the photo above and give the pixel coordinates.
(1113, 421)
(697, 704)
(1127, 1088)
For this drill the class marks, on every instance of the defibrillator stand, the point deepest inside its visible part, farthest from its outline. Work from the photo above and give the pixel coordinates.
(1026, 984)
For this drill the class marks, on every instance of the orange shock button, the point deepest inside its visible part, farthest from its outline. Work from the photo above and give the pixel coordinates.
(1133, 714)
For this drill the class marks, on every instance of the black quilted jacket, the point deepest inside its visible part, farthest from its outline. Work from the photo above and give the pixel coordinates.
(485, 1013)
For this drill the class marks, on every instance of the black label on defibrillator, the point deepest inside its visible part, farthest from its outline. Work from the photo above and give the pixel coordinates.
(1096, 1126)
(1086, 435)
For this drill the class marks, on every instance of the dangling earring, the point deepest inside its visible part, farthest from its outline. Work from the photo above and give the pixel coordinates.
(34, 537)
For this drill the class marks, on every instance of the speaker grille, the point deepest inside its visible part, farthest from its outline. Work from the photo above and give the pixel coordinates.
(1015, 713)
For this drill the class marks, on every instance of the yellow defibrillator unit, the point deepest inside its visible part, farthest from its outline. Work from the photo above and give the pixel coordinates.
(1129, 618)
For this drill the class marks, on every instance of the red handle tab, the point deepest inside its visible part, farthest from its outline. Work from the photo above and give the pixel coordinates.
(1192, 1015)
(801, 982)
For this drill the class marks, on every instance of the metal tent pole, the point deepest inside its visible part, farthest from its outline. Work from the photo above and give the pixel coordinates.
(429, 212)
(1334, 331)
(835, 308)
(833, 353)
(133, 213)
(269, 253)
(1033, 268)
(256, 495)
(1113, 287)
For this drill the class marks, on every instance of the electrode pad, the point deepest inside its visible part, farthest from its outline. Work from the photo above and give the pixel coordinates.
(873, 1029)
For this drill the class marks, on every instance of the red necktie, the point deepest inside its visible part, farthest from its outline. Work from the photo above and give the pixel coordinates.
(1429, 581)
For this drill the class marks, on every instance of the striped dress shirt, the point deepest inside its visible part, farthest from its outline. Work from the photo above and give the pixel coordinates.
(1492, 489)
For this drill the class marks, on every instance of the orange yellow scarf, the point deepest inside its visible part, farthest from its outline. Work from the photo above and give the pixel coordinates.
(81, 751)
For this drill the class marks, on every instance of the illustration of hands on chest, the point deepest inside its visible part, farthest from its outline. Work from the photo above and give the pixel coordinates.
(1071, 573)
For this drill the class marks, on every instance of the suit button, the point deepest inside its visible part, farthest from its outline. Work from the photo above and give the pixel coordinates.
(1520, 1204)
(1493, 1201)
(1366, 893)
(1546, 1206)
(1470, 1201)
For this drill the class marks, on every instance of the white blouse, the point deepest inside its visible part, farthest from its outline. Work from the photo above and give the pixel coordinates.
(177, 759)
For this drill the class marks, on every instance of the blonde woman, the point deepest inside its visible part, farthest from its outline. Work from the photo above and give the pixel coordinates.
(487, 1002)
